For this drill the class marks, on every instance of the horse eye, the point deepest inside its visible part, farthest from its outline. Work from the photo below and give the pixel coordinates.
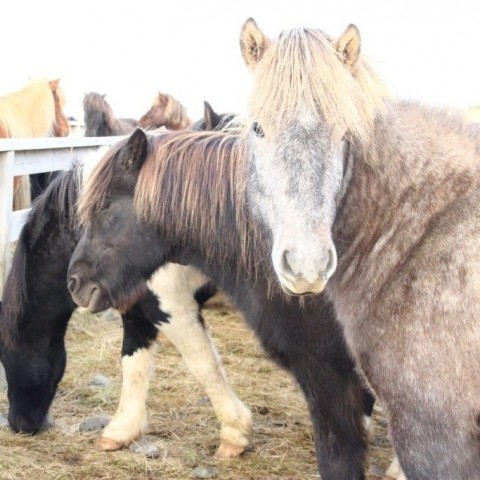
(258, 130)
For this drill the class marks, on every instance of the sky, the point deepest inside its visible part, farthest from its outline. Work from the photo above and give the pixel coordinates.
(129, 51)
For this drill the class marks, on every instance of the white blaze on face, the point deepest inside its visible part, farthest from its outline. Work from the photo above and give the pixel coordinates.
(295, 180)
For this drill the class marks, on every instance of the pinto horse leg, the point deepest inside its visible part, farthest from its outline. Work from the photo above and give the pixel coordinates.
(130, 419)
(178, 287)
(191, 338)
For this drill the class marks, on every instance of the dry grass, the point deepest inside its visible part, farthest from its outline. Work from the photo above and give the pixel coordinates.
(181, 422)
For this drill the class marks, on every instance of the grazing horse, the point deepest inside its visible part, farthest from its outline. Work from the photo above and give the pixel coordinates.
(37, 307)
(34, 111)
(180, 196)
(376, 201)
(166, 111)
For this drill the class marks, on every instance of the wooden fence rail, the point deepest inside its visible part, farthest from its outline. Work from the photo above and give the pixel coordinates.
(33, 155)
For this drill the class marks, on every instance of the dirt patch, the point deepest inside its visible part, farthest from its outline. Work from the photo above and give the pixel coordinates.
(181, 420)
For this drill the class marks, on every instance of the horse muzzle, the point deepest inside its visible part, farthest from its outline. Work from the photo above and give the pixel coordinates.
(89, 295)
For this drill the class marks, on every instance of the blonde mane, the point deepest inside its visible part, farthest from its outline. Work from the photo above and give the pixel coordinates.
(304, 67)
(191, 182)
(30, 112)
(175, 113)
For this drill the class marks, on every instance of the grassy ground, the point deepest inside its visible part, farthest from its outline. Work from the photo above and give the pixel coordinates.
(181, 422)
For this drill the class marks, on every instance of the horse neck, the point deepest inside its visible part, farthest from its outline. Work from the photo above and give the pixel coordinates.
(412, 168)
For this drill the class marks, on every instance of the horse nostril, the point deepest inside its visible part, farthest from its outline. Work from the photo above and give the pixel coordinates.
(285, 263)
(331, 264)
(72, 283)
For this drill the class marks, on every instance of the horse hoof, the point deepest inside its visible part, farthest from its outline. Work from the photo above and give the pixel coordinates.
(107, 444)
(227, 450)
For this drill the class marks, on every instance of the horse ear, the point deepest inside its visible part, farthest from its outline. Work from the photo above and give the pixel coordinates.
(54, 84)
(134, 153)
(253, 43)
(210, 116)
(162, 99)
(348, 46)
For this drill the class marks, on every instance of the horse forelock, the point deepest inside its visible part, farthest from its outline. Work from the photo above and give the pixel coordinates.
(30, 112)
(303, 68)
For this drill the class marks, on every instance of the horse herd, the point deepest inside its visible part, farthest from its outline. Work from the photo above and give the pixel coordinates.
(341, 220)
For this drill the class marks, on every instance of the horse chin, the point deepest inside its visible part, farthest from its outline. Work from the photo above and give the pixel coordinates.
(301, 289)
(99, 301)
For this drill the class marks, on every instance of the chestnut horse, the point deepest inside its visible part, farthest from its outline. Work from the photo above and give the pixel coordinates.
(376, 201)
(34, 111)
(166, 111)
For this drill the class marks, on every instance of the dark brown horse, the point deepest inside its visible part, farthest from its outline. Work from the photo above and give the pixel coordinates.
(377, 202)
(100, 120)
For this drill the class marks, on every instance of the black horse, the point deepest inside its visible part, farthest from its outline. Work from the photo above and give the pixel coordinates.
(190, 207)
(37, 308)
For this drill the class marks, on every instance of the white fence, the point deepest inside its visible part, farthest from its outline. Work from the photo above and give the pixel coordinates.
(25, 156)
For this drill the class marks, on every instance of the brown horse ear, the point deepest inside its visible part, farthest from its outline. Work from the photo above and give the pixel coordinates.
(253, 43)
(135, 151)
(348, 46)
(54, 84)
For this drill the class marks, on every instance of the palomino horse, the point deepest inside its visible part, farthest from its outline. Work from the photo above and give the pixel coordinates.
(376, 201)
(189, 206)
(37, 307)
(34, 111)
(166, 111)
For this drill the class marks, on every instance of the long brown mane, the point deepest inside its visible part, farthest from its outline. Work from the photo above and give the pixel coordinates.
(303, 66)
(30, 112)
(193, 183)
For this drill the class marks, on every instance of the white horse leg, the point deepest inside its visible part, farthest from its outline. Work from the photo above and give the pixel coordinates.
(130, 419)
(175, 285)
